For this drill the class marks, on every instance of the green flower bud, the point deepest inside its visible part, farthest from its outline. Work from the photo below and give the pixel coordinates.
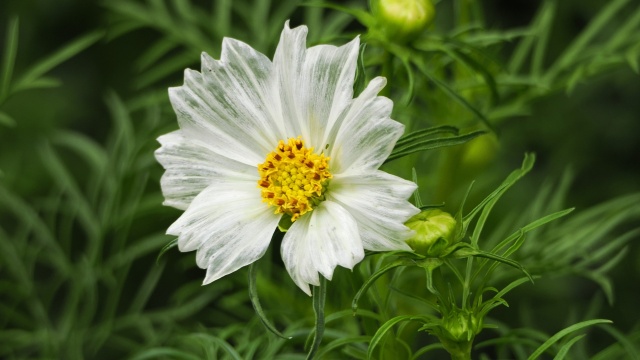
(456, 331)
(461, 325)
(434, 232)
(403, 20)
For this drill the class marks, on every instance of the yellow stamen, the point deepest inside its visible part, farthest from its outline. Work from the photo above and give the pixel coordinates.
(293, 178)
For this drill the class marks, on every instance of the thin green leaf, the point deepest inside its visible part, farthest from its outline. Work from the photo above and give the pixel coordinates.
(373, 278)
(542, 36)
(416, 194)
(222, 16)
(39, 83)
(342, 342)
(632, 58)
(608, 250)
(363, 16)
(475, 66)
(422, 134)
(162, 352)
(6, 120)
(27, 215)
(566, 347)
(124, 133)
(59, 57)
(9, 57)
(425, 349)
(66, 182)
(408, 97)
(146, 288)
(84, 146)
(531, 226)
(521, 53)
(165, 68)
(628, 344)
(382, 331)
(170, 245)
(433, 144)
(579, 74)
(227, 348)
(568, 58)
(255, 301)
(624, 35)
(349, 313)
(417, 298)
(466, 252)
(186, 11)
(618, 351)
(500, 294)
(155, 52)
(455, 96)
(562, 333)
(527, 165)
(487, 38)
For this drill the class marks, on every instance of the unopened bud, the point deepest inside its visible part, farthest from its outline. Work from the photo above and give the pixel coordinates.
(461, 325)
(434, 232)
(403, 20)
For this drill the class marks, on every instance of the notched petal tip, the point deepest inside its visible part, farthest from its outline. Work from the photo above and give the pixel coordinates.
(207, 62)
(288, 28)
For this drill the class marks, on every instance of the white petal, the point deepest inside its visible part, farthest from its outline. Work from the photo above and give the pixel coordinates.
(366, 134)
(318, 242)
(191, 166)
(230, 105)
(378, 202)
(229, 226)
(316, 84)
(287, 62)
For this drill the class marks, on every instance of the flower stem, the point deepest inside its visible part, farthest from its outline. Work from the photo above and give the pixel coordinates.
(458, 350)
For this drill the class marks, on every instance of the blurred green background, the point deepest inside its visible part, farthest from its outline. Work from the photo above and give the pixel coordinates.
(81, 221)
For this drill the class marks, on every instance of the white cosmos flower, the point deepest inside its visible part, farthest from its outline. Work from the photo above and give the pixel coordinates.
(261, 139)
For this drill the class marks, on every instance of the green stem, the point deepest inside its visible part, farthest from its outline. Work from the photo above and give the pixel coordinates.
(458, 350)
(387, 72)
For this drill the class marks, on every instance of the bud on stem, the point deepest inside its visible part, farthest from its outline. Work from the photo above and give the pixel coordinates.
(402, 20)
(434, 232)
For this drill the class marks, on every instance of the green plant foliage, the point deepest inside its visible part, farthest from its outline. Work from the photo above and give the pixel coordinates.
(88, 272)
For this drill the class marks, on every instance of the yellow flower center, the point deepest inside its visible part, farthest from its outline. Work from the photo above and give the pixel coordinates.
(293, 178)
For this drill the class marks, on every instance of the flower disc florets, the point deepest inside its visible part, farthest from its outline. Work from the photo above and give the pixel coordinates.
(293, 178)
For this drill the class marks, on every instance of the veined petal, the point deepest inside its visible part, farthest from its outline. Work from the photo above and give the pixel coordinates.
(366, 134)
(316, 84)
(317, 243)
(378, 202)
(191, 166)
(231, 104)
(228, 225)
(287, 63)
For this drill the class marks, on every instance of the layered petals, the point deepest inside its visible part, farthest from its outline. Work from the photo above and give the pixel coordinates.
(191, 165)
(378, 202)
(230, 104)
(365, 135)
(228, 225)
(317, 243)
(316, 84)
